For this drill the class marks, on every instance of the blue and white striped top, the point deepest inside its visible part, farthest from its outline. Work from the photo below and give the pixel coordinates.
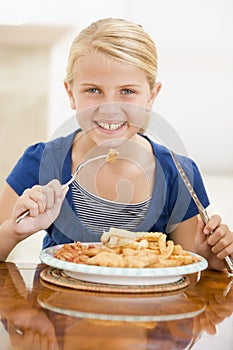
(100, 214)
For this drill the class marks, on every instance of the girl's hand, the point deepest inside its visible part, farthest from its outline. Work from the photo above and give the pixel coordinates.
(214, 241)
(44, 203)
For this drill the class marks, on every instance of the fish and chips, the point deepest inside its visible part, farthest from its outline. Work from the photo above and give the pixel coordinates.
(137, 250)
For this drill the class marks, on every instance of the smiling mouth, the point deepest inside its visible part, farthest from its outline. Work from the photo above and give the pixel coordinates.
(110, 126)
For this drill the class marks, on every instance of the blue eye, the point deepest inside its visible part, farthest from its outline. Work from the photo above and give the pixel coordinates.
(94, 91)
(127, 92)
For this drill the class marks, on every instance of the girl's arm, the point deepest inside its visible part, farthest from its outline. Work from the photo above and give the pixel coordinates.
(44, 203)
(8, 236)
(184, 234)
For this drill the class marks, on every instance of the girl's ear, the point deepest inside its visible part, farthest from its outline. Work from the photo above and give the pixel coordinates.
(70, 95)
(153, 96)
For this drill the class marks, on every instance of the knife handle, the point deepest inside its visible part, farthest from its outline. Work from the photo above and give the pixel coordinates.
(229, 264)
(204, 215)
(228, 260)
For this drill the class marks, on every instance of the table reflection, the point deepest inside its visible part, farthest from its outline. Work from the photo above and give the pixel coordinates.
(52, 317)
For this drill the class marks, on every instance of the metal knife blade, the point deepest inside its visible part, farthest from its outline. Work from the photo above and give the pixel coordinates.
(202, 211)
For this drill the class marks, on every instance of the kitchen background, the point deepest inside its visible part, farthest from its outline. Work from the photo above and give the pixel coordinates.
(195, 47)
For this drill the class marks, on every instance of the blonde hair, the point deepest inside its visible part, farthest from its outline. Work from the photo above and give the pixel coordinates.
(120, 39)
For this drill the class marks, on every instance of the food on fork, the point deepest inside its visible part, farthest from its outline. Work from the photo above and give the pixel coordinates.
(149, 249)
(112, 155)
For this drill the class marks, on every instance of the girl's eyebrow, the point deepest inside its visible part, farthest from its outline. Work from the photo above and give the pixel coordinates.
(120, 86)
(130, 84)
(87, 84)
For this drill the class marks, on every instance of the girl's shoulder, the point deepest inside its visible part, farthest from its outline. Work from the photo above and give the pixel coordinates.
(164, 159)
(56, 147)
(40, 163)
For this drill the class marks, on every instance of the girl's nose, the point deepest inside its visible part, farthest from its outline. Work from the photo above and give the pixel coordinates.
(110, 108)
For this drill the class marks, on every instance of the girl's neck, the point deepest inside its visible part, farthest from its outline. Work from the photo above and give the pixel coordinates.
(129, 179)
(136, 149)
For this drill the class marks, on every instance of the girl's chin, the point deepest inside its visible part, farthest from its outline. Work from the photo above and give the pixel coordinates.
(112, 143)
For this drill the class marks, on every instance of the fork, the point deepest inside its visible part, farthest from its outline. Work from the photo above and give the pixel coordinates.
(69, 182)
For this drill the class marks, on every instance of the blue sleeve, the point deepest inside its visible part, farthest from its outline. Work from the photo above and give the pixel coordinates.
(25, 173)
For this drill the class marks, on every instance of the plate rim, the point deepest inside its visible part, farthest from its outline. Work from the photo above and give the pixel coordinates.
(46, 256)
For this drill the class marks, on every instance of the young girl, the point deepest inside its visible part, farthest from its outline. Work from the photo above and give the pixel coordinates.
(111, 84)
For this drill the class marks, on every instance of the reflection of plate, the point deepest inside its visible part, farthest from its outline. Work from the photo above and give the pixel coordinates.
(129, 308)
(117, 275)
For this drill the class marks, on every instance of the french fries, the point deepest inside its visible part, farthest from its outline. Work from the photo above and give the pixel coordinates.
(149, 249)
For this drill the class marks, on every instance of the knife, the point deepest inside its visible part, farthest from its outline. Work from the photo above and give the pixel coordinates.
(202, 211)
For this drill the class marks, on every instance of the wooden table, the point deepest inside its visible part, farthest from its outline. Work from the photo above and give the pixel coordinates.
(38, 315)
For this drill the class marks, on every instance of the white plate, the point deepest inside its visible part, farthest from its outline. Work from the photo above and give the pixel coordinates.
(121, 275)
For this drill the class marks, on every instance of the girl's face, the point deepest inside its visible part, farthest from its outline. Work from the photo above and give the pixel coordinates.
(111, 98)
